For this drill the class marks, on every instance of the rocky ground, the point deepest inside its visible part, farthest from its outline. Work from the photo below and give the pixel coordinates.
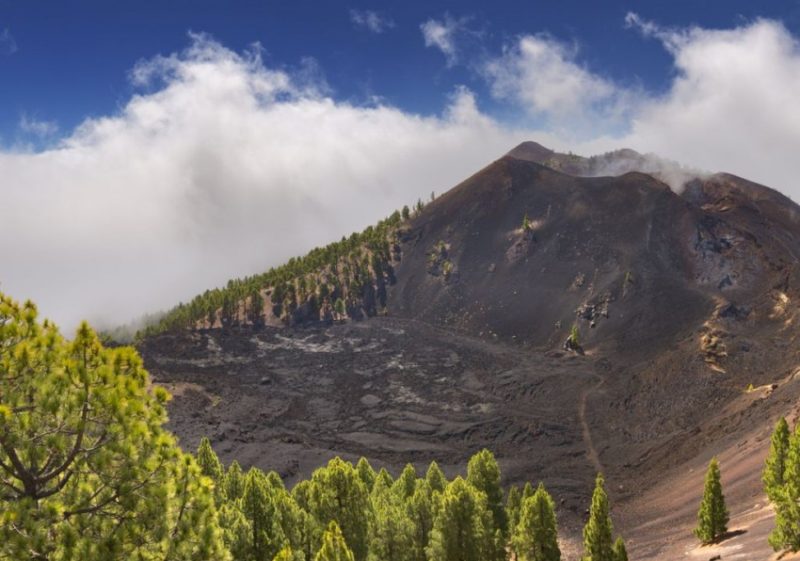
(398, 390)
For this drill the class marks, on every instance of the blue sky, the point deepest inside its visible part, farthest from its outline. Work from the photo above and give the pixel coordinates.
(71, 59)
(149, 150)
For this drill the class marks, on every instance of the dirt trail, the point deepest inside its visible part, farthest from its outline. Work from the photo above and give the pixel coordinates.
(591, 451)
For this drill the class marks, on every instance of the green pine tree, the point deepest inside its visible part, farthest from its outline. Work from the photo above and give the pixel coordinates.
(462, 529)
(334, 547)
(527, 491)
(391, 530)
(366, 473)
(237, 530)
(421, 513)
(786, 534)
(484, 474)
(234, 481)
(211, 467)
(89, 472)
(385, 476)
(513, 504)
(712, 518)
(536, 534)
(337, 493)
(266, 537)
(775, 467)
(404, 485)
(597, 544)
(435, 478)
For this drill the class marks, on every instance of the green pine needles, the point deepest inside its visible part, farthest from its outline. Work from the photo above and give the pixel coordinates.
(597, 534)
(536, 533)
(781, 479)
(88, 471)
(712, 518)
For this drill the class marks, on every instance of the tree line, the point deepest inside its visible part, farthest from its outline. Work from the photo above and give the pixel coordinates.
(353, 512)
(343, 279)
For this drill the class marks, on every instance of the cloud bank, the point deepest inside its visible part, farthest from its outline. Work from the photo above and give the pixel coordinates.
(222, 166)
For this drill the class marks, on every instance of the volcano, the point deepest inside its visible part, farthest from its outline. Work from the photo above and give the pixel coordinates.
(618, 314)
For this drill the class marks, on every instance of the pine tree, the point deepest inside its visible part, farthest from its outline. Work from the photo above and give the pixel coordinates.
(334, 547)
(597, 544)
(385, 476)
(337, 493)
(211, 467)
(405, 484)
(513, 504)
(527, 491)
(421, 515)
(266, 537)
(786, 534)
(237, 531)
(484, 474)
(775, 466)
(89, 472)
(712, 518)
(462, 530)
(435, 478)
(536, 535)
(391, 530)
(234, 481)
(620, 552)
(366, 473)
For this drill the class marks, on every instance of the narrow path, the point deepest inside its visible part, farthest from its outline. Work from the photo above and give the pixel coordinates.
(591, 451)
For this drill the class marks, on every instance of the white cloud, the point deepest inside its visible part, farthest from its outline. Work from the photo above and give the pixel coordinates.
(443, 34)
(371, 20)
(228, 168)
(37, 127)
(8, 45)
(542, 75)
(732, 105)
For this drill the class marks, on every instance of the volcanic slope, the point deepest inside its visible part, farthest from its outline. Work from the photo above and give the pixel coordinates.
(685, 307)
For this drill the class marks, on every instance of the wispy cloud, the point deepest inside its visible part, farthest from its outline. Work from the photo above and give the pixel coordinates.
(37, 127)
(443, 34)
(371, 21)
(8, 45)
